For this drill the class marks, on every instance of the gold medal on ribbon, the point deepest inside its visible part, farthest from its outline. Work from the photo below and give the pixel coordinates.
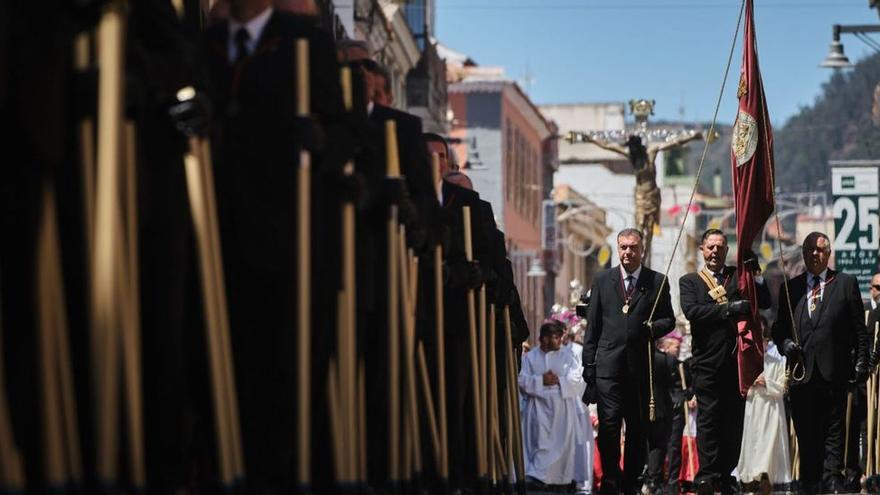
(812, 307)
(626, 308)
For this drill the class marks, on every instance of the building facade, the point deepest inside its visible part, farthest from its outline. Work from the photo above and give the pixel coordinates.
(504, 145)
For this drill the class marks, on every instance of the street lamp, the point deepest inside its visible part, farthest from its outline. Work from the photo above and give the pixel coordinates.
(836, 59)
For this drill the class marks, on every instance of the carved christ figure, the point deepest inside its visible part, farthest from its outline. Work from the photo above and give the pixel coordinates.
(643, 162)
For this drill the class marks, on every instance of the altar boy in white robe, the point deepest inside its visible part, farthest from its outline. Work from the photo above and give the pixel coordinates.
(765, 432)
(552, 385)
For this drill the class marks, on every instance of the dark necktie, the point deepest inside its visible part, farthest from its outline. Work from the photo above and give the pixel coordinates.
(816, 294)
(241, 40)
(630, 286)
(719, 278)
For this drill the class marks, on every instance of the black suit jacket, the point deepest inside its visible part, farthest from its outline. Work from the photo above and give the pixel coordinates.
(255, 141)
(451, 215)
(414, 166)
(714, 334)
(617, 343)
(835, 335)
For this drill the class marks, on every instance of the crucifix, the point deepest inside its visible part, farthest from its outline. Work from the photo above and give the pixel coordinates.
(642, 154)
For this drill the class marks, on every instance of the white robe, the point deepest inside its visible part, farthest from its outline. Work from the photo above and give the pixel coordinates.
(765, 432)
(550, 422)
(583, 451)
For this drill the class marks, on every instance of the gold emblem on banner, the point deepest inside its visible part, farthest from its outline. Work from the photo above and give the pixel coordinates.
(745, 138)
(743, 87)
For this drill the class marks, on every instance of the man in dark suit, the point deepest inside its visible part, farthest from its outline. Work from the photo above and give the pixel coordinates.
(622, 325)
(713, 314)
(821, 325)
(252, 63)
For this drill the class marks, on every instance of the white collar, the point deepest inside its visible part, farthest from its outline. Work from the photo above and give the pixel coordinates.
(254, 27)
(634, 274)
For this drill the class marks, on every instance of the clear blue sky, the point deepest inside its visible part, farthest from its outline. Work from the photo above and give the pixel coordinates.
(673, 51)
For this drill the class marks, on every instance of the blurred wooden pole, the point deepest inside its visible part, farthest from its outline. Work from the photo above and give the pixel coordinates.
(229, 396)
(362, 422)
(394, 423)
(429, 407)
(11, 467)
(53, 443)
(475, 363)
(198, 205)
(127, 274)
(86, 130)
(304, 301)
(484, 383)
(490, 391)
(440, 336)
(107, 243)
(513, 384)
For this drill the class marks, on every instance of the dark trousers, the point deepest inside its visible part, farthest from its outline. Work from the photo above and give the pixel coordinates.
(673, 451)
(658, 445)
(818, 409)
(620, 400)
(720, 411)
(263, 322)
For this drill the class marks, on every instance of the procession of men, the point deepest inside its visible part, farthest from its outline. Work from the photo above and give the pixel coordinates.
(827, 357)
(231, 266)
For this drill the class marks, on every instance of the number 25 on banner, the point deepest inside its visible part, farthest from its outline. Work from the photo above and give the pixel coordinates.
(859, 215)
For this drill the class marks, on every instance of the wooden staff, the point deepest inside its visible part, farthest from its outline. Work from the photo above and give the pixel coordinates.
(86, 131)
(441, 338)
(230, 396)
(795, 456)
(393, 171)
(53, 443)
(408, 285)
(484, 389)
(105, 287)
(335, 419)
(428, 397)
(475, 364)
(492, 395)
(513, 401)
(362, 421)
(196, 191)
(347, 339)
(11, 469)
(131, 328)
(304, 302)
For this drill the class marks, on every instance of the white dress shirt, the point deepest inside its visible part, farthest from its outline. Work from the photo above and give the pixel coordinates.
(634, 275)
(254, 28)
(821, 293)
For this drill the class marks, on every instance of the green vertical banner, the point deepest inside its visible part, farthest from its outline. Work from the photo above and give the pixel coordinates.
(856, 221)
